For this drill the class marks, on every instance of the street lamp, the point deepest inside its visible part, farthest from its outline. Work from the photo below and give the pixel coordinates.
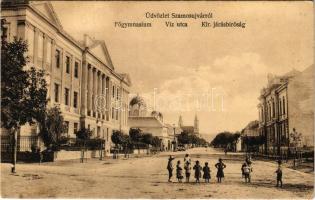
(174, 141)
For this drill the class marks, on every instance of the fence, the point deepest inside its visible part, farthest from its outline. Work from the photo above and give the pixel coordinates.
(24, 143)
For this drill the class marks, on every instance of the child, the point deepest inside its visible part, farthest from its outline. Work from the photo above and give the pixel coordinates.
(206, 173)
(279, 174)
(247, 171)
(220, 166)
(187, 168)
(170, 168)
(197, 169)
(187, 158)
(244, 165)
(179, 172)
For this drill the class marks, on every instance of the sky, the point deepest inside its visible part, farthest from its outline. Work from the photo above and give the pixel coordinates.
(215, 73)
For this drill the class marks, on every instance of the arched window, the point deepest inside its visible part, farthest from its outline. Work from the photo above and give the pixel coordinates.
(273, 109)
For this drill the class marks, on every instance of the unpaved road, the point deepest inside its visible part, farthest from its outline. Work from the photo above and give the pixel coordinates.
(147, 178)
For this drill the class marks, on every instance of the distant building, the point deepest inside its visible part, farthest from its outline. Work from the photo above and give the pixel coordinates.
(250, 131)
(152, 122)
(190, 129)
(286, 103)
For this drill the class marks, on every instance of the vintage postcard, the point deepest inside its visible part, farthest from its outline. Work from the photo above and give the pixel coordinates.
(157, 99)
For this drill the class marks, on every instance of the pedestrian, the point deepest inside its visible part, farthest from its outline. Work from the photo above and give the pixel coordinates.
(225, 151)
(247, 173)
(206, 173)
(187, 158)
(279, 174)
(248, 159)
(187, 168)
(197, 169)
(179, 172)
(170, 168)
(242, 169)
(220, 166)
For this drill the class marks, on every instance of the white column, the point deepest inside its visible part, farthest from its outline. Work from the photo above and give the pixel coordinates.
(94, 91)
(89, 90)
(84, 91)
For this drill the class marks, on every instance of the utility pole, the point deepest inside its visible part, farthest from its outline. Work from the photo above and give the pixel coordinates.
(14, 156)
(174, 141)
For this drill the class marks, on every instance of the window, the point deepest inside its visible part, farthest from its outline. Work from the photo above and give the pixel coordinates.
(66, 96)
(57, 58)
(273, 109)
(56, 92)
(75, 99)
(75, 128)
(116, 114)
(280, 107)
(283, 105)
(113, 91)
(117, 94)
(113, 113)
(66, 127)
(67, 64)
(76, 70)
(4, 33)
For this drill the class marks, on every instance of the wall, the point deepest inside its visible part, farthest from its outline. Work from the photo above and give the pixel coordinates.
(301, 105)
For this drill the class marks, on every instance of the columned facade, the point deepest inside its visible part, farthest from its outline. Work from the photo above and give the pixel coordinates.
(80, 75)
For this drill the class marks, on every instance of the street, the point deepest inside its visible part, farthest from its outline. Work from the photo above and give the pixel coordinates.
(146, 177)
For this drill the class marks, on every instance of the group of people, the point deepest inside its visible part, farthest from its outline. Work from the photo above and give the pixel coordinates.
(198, 169)
(246, 170)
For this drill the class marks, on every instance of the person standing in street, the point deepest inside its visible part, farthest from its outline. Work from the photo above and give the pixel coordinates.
(179, 172)
(279, 174)
(170, 168)
(187, 158)
(242, 169)
(206, 173)
(247, 171)
(220, 167)
(187, 168)
(197, 169)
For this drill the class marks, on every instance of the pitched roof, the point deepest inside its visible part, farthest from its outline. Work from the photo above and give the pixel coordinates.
(47, 11)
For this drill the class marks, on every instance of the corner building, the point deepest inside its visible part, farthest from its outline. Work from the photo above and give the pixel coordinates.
(81, 78)
(287, 103)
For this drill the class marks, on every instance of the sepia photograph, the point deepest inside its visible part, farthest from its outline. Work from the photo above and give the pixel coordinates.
(157, 99)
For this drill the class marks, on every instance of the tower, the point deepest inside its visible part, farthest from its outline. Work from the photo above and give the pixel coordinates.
(180, 121)
(196, 125)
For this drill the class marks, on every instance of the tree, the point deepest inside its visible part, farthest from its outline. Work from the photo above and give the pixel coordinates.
(118, 137)
(184, 138)
(156, 142)
(84, 134)
(23, 92)
(147, 138)
(52, 127)
(295, 140)
(135, 134)
(23, 98)
(225, 139)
